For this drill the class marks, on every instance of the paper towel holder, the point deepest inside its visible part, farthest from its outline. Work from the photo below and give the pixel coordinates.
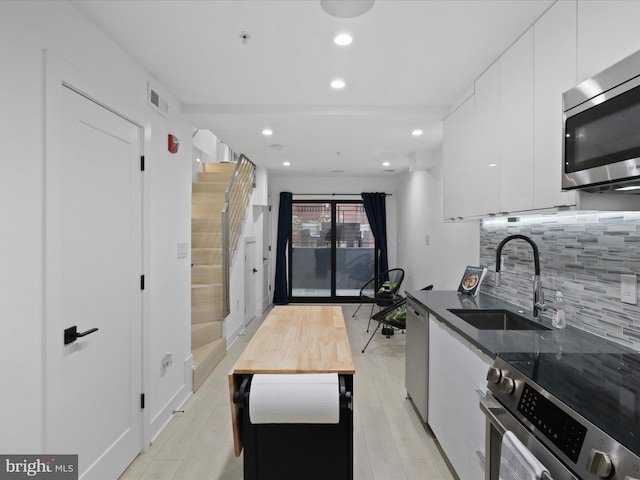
(241, 396)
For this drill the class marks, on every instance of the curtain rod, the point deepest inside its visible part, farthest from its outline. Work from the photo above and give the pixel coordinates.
(334, 194)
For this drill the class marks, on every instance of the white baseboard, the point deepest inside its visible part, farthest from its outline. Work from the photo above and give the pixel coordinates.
(160, 421)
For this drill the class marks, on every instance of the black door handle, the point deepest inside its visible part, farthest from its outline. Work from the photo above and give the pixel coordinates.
(71, 334)
(255, 271)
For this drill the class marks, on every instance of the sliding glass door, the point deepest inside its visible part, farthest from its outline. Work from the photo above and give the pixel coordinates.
(332, 250)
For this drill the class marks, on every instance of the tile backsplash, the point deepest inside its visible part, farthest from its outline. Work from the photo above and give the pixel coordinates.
(582, 255)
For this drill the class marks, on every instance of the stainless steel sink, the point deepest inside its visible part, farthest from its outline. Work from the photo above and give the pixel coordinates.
(497, 320)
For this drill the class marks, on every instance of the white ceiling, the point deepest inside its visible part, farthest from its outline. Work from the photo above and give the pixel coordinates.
(410, 59)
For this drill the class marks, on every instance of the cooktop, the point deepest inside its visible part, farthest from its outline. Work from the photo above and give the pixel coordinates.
(604, 388)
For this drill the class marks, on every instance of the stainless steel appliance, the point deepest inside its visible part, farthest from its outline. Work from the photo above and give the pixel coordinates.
(601, 135)
(579, 414)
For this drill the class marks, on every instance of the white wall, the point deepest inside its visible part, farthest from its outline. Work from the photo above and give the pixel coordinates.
(452, 246)
(26, 29)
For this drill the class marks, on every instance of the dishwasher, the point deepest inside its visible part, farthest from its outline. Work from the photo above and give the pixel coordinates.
(417, 357)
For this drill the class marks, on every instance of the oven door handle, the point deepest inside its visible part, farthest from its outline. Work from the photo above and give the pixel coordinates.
(488, 407)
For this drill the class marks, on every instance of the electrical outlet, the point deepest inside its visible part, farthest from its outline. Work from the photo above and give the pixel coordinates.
(629, 289)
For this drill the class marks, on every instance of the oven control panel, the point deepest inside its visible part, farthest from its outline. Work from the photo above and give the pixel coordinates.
(561, 429)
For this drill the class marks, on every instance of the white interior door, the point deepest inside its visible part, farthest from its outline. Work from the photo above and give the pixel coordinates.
(250, 272)
(266, 258)
(93, 266)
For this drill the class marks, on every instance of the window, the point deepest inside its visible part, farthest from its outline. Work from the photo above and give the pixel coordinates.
(332, 250)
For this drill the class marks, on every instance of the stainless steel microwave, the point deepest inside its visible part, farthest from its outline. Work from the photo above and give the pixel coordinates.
(602, 130)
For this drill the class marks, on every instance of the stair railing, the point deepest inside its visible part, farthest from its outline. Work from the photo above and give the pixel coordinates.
(236, 198)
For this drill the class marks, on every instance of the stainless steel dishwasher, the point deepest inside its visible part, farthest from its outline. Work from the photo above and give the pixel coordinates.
(416, 378)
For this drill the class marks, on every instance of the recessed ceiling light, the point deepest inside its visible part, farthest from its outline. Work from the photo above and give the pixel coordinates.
(286, 164)
(417, 132)
(267, 132)
(338, 84)
(493, 164)
(343, 39)
(386, 164)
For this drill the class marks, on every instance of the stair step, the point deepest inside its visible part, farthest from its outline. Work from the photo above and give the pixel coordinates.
(209, 187)
(214, 198)
(205, 359)
(200, 210)
(214, 177)
(207, 224)
(206, 240)
(204, 333)
(201, 294)
(206, 274)
(206, 303)
(226, 167)
(206, 256)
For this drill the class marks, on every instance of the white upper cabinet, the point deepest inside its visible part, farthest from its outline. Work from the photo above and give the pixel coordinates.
(487, 165)
(554, 50)
(458, 157)
(607, 33)
(451, 167)
(518, 108)
(516, 125)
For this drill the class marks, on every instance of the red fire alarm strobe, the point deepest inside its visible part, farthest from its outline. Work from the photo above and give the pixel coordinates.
(174, 143)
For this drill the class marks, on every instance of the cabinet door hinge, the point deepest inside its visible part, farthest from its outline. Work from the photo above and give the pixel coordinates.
(141, 282)
(141, 400)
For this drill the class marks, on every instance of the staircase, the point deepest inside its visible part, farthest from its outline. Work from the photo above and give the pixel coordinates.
(208, 342)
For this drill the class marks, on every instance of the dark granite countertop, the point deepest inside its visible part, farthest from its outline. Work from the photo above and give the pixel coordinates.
(494, 342)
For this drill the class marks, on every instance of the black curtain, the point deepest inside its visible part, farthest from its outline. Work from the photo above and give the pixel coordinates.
(281, 289)
(375, 206)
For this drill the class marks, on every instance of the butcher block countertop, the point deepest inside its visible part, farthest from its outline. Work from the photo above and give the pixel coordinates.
(294, 339)
(299, 339)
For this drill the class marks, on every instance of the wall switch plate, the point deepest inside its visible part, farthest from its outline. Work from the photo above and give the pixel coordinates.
(183, 249)
(629, 289)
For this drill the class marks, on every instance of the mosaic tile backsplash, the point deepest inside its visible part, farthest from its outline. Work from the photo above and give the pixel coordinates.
(582, 255)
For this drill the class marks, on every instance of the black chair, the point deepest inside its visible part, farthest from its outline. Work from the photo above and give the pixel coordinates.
(381, 290)
(393, 317)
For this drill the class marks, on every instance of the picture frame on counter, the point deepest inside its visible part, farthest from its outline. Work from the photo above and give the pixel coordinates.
(471, 280)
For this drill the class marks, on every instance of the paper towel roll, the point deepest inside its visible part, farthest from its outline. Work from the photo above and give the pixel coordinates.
(294, 398)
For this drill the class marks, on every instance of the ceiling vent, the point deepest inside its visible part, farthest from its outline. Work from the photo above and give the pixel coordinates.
(156, 102)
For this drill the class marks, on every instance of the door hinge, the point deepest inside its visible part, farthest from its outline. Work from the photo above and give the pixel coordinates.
(141, 282)
(142, 163)
(141, 400)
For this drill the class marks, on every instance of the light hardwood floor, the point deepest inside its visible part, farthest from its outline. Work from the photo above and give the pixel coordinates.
(390, 442)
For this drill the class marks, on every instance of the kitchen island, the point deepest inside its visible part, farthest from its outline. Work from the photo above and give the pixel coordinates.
(294, 340)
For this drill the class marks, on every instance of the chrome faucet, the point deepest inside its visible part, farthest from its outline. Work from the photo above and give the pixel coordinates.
(538, 295)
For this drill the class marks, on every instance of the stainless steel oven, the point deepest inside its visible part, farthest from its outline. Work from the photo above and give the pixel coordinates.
(578, 414)
(499, 421)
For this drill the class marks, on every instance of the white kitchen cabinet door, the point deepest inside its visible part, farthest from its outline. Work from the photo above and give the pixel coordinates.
(470, 187)
(607, 33)
(451, 185)
(458, 156)
(516, 125)
(554, 73)
(479, 364)
(458, 411)
(487, 163)
(437, 411)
